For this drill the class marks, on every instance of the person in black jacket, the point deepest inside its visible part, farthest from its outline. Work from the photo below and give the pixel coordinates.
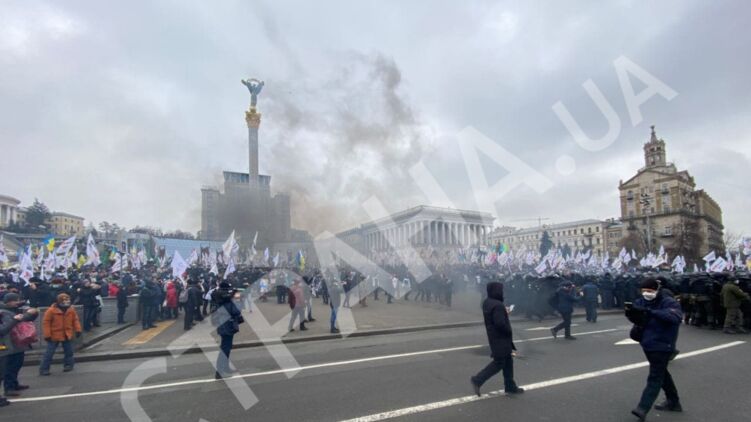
(192, 306)
(228, 319)
(87, 296)
(657, 318)
(501, 342)
(566, 299)
(122, 302)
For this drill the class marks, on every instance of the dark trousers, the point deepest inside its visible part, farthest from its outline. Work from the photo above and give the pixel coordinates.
(607, 299)
(89, 317)
(591, 308)
(222, 361)
(659, 378)
(188, 321)
(565, 324)
(13, 366)
(505, 364)
(147, 319)
(121, 315)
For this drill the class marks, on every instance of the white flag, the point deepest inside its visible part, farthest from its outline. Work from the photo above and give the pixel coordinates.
(193, 257)
(230, 247)
(718, 265)
(118, 265)
(64, 247)
(266, 255)
(709, 257)
(276, 259)
(92, 253)
(26, 268)
(214, 269)
(230, 268)
(178, 265)
(540, 268)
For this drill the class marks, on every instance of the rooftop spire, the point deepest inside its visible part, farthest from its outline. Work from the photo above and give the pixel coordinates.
(654, 135)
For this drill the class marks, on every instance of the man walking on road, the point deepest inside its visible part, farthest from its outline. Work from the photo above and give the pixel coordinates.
(657, 318)
(565, 305)
(498, 328)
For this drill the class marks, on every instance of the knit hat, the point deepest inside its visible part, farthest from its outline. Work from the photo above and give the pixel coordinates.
(11, 297)
(649, 283)
(224, 285)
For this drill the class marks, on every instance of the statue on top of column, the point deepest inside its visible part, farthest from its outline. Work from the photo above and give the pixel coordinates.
(254, 87)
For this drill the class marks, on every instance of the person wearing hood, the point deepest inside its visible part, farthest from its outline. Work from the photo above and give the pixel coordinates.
(500, 337)
(60, 325)
(657, 318)
(13, 311)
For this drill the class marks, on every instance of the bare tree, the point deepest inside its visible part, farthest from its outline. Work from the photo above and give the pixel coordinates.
(732, 241)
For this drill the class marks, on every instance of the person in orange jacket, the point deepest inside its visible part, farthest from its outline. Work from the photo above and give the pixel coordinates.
(59, 325)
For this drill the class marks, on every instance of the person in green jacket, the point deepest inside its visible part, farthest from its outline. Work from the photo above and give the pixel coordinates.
(732, 296)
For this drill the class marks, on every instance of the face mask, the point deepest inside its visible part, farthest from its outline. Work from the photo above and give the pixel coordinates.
(65, 304)
(649, 295)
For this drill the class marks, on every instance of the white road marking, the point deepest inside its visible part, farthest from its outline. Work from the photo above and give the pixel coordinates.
(626, 341)
(546, 328)
(282, 371)
(544, 384)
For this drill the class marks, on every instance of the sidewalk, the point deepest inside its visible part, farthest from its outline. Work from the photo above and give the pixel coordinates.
(267, 324)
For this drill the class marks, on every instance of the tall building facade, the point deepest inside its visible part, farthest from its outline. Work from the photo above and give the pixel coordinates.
(245, 203)
(660, 205)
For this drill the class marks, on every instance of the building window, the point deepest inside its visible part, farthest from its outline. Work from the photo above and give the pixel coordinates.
(668, 231)
(666, 208)
(597, 229)
(631, 213)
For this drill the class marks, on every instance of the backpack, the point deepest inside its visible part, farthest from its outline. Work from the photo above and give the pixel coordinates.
(183, 298)
(24, 334)
(553, 301)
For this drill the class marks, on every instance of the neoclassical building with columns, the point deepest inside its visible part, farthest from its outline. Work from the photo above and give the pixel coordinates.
(421, 226)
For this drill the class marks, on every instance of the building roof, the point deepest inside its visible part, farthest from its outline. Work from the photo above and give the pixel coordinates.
(65, 214)
(9, 200)
(550, 227)
(485, 217)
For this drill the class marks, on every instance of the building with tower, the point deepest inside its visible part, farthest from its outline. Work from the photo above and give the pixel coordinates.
(660, 205)
(245, 202)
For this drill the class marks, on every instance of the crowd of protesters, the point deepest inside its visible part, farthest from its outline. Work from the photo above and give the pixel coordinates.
(713, 300)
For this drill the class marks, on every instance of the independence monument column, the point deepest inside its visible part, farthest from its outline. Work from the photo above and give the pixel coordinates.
(253, 119)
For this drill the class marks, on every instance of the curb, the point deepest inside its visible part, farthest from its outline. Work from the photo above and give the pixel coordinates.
(36, 358)
(149, 353)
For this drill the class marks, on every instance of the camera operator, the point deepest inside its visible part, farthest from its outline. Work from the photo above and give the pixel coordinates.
(657, 318)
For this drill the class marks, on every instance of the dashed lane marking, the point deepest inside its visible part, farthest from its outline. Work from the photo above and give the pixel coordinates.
(282, 371)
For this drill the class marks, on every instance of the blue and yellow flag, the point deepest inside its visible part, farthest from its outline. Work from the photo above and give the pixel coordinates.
(49, 242)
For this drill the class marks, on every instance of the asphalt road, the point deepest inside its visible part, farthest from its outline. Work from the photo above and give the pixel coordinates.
(412, 376)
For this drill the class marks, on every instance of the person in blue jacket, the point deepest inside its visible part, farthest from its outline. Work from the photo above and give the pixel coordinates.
(657, 318)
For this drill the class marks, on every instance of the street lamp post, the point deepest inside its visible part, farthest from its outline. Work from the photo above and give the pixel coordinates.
(645, 201)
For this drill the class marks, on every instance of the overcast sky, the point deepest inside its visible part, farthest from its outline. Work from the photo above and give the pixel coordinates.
(121, 111)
